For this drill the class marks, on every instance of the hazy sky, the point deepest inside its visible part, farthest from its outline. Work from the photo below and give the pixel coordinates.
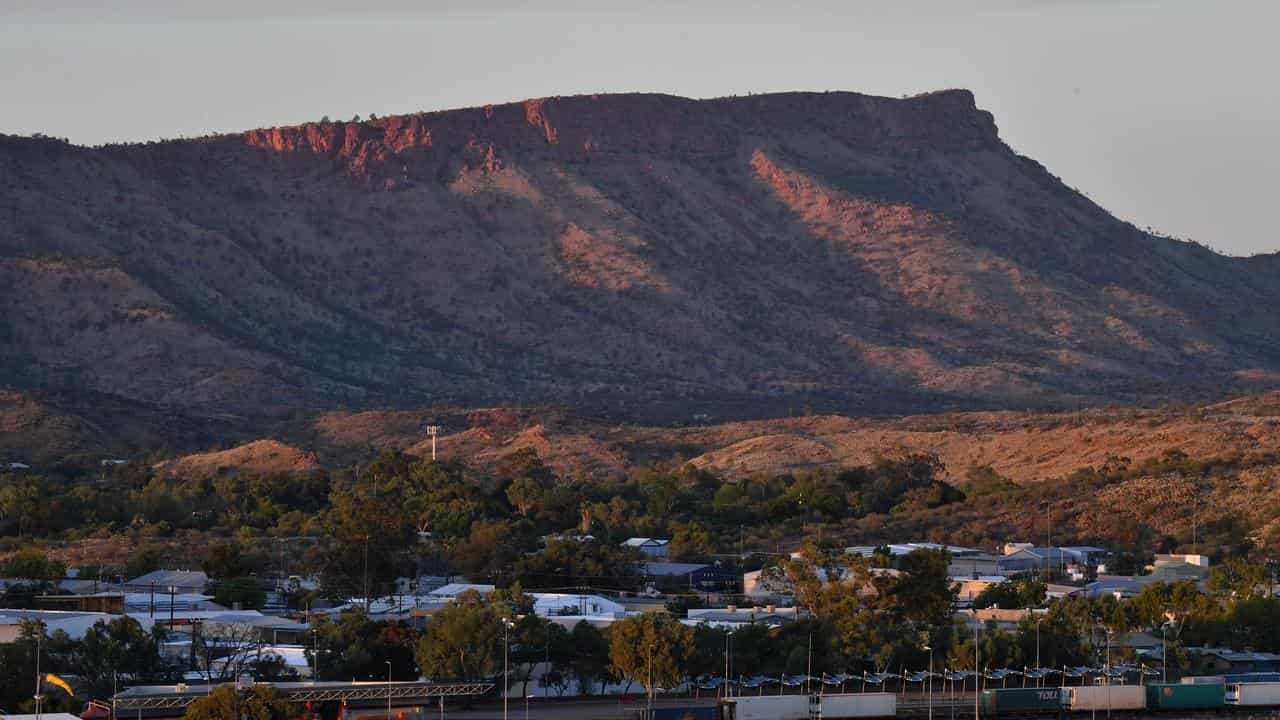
(1166, 113)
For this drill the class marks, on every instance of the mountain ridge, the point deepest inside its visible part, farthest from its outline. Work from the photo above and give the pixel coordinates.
(641, 255)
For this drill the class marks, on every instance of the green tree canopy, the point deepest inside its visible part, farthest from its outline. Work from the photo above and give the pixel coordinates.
(259, 702)
(651, 643)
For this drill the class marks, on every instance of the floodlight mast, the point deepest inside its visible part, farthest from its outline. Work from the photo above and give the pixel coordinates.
(433, 430)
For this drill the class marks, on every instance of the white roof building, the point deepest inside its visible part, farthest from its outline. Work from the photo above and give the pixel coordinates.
(653, 547)
(75, 624)
(453, 590)
(549, 605)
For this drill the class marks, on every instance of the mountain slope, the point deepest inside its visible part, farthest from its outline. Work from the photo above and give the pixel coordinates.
(643, 254)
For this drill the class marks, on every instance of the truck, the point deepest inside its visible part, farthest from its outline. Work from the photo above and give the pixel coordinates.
(1021, 701)
(1189, 696)
(841, 706)
(1253, 693)
(858, 705)
(1105, 697)
(765, 707)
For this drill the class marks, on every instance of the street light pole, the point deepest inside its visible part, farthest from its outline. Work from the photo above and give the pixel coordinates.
(1039, 680)
(506, 668)
(388, 690)
(929, 679)
(976, 670)
(650, 683)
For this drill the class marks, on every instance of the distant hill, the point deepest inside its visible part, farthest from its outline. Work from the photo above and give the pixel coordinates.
(643, 257)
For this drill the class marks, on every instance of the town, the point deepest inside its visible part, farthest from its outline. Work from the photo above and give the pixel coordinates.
(929, 623)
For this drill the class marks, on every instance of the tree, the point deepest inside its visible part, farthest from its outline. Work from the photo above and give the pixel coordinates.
(258, 702)
(1012, 595)
(1235, 578)
(589, 661)
(490, 549)
(691, 541)
(923, 593)
(119, 646)
(353, 646)
(651, 643)
(224, 561)
(242, 592)
(31, 564)
(524, 494)
(141, 562)
(463, 641)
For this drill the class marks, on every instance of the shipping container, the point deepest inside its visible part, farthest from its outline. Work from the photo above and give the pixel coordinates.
(766, 707)
(1192, 696)
(858, 705)
(698, 712)
(1104, 697)
(1257, 694)
(1204, 680)
(1021, 700)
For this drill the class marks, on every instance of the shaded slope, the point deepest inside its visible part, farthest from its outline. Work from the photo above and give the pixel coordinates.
(647, 256)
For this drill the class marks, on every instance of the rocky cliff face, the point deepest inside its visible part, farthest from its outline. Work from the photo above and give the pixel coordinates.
(642, 254)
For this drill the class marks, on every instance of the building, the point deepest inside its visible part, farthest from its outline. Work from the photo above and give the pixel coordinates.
(733, 617)
(565, 605)
(181, 581)
(651, 547)
(967, 589)
(1172, 568)
(74, 624)
(453, 590)
(105, 602)
(1007, 620)
(1218, 661)
(1121, 586)
(688, 577)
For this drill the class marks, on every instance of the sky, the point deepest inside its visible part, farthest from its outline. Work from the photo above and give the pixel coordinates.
(1167, 113)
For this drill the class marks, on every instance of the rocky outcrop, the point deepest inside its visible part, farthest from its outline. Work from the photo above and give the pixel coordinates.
(645, 256)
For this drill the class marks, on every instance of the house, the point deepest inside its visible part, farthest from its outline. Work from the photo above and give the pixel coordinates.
(161, 602)
(182, 581)
(1121, 586)
(733, 617)
(453, 590)
(1054, 591)
(897, 551)
(1219, 661)
(1024, 558)
(579, 606)
(769, 584)
(651, 547)
(1142, 643)
(1002, 619)
(969, 588)
(975, 565)
(1087, 555)
(697, 577)
(104, 602)
(1172, 568)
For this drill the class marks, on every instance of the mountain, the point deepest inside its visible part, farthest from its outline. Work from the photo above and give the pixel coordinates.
(642, 256)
